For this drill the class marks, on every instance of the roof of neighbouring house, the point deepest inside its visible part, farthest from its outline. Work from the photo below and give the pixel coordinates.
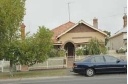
(123, 30)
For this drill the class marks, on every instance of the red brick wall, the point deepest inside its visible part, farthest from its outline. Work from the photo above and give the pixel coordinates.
(24, 68)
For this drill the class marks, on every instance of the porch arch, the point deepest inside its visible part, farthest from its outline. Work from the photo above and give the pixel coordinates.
(70, 49)
(70, 53)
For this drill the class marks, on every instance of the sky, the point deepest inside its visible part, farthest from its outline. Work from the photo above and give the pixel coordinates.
(53, 13)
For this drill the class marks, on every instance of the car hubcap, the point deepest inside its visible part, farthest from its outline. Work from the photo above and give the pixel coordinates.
(89, 72)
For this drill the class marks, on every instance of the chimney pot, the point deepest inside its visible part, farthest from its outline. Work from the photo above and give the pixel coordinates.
(95, 22)
(125, 20)
(23, 31)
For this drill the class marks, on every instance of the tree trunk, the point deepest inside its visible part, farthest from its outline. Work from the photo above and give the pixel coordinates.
(11, 68)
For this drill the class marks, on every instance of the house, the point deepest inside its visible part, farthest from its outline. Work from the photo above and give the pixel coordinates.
(70, 36)
(119, 39)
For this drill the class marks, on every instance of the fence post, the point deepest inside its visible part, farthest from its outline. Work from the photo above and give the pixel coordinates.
(66, 62)
(47, 64)
(20, 67)
(2, 66)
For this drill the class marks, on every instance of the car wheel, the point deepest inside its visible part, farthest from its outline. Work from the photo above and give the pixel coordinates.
(90, 72)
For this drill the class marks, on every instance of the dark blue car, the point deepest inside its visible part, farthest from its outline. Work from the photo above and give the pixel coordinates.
(99, 64)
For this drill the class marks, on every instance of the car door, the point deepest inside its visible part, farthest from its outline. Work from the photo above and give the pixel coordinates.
(98, 64)
(114, 65)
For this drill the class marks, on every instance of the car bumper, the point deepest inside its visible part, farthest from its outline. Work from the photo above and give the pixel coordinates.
(79, 70)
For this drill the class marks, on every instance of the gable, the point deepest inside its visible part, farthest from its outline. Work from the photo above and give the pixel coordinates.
(84, 23)
(81, 28)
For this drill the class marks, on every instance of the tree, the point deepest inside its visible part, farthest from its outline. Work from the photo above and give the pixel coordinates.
(107, 38)
(32, 49)
(13, 53)
(35, 49)
(108, 33)
(43, 43)
(95, 47)
(11, 16)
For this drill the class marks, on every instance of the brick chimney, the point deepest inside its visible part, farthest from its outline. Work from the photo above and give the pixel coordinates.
(23, 31)
(125, 21)
(95, 22)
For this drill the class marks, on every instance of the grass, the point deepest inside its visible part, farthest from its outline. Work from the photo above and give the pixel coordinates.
(30, 74)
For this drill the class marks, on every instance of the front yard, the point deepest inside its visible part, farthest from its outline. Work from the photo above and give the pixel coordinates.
(30, 74)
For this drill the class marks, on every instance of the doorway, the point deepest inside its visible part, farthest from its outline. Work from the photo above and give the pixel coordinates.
(70, 53)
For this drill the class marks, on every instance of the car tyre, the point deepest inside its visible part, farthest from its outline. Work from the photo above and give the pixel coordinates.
(89, 72)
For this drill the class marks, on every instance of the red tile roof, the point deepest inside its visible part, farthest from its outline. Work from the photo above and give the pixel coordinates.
(62, 28)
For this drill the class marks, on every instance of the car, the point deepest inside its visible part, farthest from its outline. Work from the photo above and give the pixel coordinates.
(93, 64)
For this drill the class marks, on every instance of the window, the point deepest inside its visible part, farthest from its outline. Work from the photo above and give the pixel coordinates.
(93, 60)
(97, 59)
(110, 59)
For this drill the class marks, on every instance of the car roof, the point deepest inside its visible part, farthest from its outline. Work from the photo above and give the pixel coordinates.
(94, 55)
(91, 56)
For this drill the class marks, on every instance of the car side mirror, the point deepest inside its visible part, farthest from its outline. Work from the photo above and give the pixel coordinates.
(117, 61)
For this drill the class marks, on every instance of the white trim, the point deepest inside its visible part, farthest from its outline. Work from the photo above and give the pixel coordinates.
(81, 21)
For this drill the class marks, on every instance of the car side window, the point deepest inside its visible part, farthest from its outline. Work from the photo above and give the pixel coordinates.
(93, 60)
(97, 59)
(110, 59)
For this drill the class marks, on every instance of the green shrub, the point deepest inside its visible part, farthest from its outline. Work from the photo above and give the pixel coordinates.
(79, 51)
(61, 53)
(121, 50)
(53, 53)
(95, 47)
(57, 53)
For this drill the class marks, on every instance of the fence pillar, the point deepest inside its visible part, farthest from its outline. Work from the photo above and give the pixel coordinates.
(65, 62)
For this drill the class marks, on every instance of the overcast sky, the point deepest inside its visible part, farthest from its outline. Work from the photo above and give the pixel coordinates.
(52, 13)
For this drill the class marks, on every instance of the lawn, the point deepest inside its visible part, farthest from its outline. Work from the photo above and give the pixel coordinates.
(30, 74)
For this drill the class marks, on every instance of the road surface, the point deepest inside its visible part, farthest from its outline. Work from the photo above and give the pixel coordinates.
(73, 79)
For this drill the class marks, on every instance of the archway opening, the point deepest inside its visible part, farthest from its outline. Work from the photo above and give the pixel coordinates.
(70, 53)
(69, 47)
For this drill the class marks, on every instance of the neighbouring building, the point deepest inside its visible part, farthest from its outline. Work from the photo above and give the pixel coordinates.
(119, 39)
(70, 36)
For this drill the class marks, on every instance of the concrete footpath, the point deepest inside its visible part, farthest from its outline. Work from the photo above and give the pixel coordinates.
(33, 78)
